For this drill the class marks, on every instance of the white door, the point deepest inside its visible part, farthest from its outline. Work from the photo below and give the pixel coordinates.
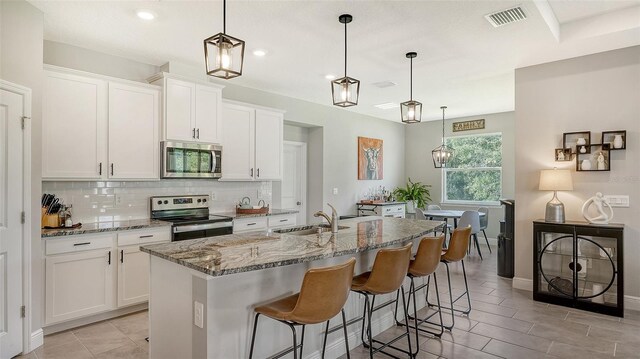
(133, 132)
(269, 127)
(294, 179)
(208, 112)
(133, 276)
(180, 112)
(238, 142)
(78, 284)
(11, 205)
(74, 115)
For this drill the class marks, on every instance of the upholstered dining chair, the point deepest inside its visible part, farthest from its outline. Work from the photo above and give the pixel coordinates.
(484, 223)
(471, 219)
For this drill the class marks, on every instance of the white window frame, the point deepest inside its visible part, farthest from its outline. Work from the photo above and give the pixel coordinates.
(444, 171)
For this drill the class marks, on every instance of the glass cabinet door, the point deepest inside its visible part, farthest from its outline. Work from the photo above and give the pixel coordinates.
(555, 264)
(597, 280)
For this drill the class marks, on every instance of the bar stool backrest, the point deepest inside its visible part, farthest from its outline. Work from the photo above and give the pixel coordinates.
(470, 218)
(427, 256)
(458, 245)
(389, 270)
(323, 294)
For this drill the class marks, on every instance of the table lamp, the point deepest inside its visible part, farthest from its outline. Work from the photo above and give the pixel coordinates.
(555, 180)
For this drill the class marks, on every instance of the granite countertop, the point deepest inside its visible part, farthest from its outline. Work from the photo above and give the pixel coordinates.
(272, 212)
(380, 204)
(88, 228)
(236, 253)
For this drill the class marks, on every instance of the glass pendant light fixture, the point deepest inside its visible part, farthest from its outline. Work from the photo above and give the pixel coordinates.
(345, 90)
(223, 54)
(411, 111)
(442, 154)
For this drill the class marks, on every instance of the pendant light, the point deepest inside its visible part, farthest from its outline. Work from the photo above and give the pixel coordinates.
(411, 111)
(345, 90)
(442, 154)
(223, 54)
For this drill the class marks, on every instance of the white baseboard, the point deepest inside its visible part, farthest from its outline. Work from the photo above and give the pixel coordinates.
(522, 283)
(59, 327)
(631, 303)
(37, 340)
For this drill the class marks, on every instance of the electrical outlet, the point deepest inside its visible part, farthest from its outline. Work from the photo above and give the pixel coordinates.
(198, 314)
(335, 190)
(118, 200)
(213, 196)
(617, 200)
(589, 263)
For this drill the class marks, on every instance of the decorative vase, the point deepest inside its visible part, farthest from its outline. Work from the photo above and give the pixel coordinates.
(583, 149)
(581, 141)
(617, 141)
(585, 165)
(411, 207)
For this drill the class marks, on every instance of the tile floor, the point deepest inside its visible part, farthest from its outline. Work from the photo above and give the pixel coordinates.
(504, 323)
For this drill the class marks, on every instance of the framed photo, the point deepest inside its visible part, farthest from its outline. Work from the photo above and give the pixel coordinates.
(563, 154)
(370, 157)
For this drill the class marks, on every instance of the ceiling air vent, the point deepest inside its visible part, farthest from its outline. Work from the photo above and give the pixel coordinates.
(507, 16)
(383, 84)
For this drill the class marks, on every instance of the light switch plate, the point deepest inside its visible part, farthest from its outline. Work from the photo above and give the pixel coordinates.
(335, 190)
(617, 200)
(198, 314)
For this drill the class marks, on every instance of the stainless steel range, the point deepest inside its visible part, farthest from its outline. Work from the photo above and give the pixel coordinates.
(189, 216)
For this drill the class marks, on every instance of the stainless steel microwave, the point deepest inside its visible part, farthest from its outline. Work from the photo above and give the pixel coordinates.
(191, 160)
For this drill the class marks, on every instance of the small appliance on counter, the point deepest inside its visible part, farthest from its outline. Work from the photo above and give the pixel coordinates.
(245, 207)
(191, 160)
(189, 217)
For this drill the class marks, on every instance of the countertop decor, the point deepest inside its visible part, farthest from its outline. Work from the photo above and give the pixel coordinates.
(236, 253)
(273, 212)
(99, 227)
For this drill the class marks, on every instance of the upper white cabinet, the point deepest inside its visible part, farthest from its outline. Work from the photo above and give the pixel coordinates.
(74, 127)
(192, 110)
(252, 143)
(99, 128)
(134, 145)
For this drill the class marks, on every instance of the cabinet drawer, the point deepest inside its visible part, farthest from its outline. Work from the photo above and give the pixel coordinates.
(391, 209)
(144, 236)
(282, 221)
(78, 244)
(249, 224)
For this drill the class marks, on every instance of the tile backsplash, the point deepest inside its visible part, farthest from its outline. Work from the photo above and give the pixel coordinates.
(109, 201)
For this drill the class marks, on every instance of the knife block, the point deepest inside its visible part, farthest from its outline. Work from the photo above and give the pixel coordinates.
(50, 220)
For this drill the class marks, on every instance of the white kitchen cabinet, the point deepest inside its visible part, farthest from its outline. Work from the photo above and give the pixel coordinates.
(134, 119)
(133, 276)
(74, 125)
(78, 284)
(192, 110)
(254, 224)
(252, 143)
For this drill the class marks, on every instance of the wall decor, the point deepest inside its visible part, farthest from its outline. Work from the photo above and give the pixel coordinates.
(596, 158)
(563, 154)
(578, 142)
(590, 157)
(468, 125)
(616, 139)
(370, 157)
(601, 217)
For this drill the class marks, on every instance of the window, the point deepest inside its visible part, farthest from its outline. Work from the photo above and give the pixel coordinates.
(475, 173)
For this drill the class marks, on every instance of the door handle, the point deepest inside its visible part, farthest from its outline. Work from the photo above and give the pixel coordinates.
(298, 203)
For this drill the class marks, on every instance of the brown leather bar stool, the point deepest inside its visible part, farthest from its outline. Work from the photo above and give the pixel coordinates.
(424, 265)
(322, 296)
(386, 276)
(455, 253)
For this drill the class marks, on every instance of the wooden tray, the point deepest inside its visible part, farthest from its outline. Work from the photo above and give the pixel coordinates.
(263, 210)
(371, 201)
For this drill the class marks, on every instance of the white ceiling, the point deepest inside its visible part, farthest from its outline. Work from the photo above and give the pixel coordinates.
(463, 62)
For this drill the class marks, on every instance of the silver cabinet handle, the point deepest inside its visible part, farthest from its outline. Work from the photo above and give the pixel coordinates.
(100, 169)
(198, 133)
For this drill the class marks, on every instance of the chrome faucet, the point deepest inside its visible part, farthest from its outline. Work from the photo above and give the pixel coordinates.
(333, 221)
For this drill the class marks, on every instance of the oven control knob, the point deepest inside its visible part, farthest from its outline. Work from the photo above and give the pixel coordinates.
(204, 200)
(159, 202)
(199, 200)
(166, 202)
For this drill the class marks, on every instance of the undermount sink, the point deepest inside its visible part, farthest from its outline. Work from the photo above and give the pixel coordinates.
(306, 230)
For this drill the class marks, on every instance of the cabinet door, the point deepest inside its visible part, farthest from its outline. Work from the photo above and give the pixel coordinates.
(78, 285)
(180, 114)
(268, 145)
(238, 142)
(74, 115)
(133, 276)
(208, 112)
(133, 132)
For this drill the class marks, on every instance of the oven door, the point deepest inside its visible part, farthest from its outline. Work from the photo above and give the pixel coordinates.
(191, 160)
(194, 231)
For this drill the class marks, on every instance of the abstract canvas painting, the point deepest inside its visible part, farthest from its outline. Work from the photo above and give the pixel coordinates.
(369, 158)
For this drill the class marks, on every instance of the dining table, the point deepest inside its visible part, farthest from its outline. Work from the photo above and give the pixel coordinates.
(446, 214)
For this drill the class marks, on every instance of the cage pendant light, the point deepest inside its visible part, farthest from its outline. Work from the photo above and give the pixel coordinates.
(345, 90)
(442, 154)
(411, 111)
(223, 54)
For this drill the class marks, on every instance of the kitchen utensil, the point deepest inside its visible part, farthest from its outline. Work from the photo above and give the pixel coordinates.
(245, 203)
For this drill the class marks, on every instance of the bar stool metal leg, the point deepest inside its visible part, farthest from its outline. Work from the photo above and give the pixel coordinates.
(253, 336)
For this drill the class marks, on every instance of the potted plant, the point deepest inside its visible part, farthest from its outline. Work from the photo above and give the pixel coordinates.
(415, 194)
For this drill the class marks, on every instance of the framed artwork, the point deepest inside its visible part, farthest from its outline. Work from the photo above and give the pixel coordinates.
(369, 158)
(563, 154)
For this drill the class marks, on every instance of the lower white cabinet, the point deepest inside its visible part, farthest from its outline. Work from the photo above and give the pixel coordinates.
(254, 224)
(78, 284)
(397, 211)
(133, 276)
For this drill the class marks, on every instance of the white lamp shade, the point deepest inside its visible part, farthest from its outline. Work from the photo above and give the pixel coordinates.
(555, 180)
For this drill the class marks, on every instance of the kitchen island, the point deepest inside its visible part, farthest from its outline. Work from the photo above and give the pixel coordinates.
(203, 291)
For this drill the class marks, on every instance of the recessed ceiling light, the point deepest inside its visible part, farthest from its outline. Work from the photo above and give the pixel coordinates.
(145, 14)
(330, 77)
(387, 105)
(259, 52)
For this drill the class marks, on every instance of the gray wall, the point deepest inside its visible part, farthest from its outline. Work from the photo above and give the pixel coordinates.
(590, 93)
(21, 31)
(424, 137)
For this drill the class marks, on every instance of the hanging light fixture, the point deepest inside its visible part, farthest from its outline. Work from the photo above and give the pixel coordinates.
(442, 154)
(223, 54)
(345, 90)
(411, 111)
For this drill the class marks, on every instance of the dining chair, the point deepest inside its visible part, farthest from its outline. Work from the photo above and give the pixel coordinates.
(471, 219)
(420, 214)
(448, 228)
(484, 223)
